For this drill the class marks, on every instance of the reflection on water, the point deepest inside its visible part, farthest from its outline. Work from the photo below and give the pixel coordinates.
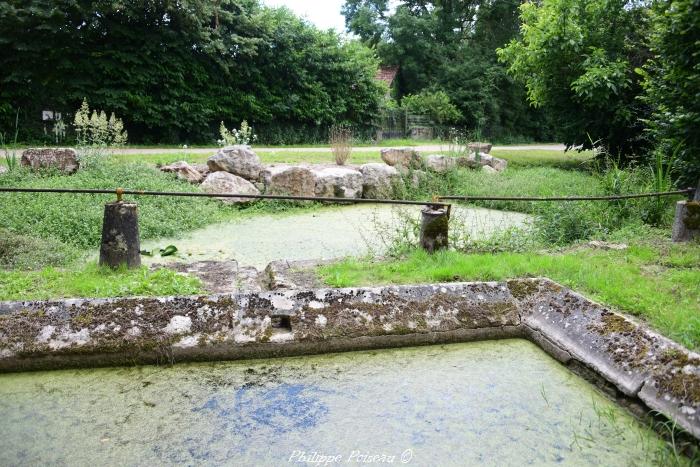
(319, 234)
(489, 403)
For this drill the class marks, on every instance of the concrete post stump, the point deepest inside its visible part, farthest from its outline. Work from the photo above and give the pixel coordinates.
(686, 225)
(120, 236)
(434, 229)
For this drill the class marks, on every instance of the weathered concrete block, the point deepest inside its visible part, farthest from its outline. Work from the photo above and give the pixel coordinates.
(434, 229)
(120, 236)
(686, 224)
(480, 147)
(646, 367)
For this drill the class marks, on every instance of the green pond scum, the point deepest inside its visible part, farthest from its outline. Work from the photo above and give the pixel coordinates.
(488, 403)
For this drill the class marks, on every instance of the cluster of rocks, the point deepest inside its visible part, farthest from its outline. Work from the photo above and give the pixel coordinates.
(237, 169)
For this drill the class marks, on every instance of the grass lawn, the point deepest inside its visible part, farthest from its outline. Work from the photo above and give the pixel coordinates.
(653, 279)
(93, 281)
(521, 158)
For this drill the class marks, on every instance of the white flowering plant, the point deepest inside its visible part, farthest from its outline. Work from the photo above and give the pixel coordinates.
(243, 135)
(96, 130)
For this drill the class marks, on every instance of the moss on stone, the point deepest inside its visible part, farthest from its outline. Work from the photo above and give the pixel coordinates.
(692, 215)
(615, 323)
(521, 289)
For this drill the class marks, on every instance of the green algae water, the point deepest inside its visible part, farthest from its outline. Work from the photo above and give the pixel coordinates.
(325, 233)
(489, 403)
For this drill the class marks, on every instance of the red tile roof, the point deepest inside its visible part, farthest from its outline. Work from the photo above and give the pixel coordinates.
(387, 74)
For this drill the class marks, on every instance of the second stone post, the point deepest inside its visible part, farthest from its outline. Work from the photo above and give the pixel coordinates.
(434, 228)
(120, 236)
(686, 225)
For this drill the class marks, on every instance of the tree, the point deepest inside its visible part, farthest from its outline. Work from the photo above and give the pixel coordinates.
(672, 83)
(577, 59)
(174, 70)
(449, 46)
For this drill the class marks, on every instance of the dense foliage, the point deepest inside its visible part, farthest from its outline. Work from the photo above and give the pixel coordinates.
(577, 59)
(450, 46)
(672, 82)
(175, 70)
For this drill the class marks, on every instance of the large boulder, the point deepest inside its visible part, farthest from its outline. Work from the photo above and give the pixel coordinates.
(224, 182)
(498, 164)
(402, 157)
(184, 171)
(475, 162)
(378, 180)
(289, 180)
(439, 163)
(237, 160)
(480, 147)
(202, 168)
(338, 182)
(62, 159)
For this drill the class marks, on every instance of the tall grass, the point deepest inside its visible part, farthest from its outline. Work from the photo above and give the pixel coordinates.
(341, 143)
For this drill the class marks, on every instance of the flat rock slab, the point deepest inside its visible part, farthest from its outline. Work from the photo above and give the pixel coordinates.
(645, 367)
(220, 277)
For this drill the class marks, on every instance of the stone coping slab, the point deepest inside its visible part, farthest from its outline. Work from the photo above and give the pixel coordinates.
(644, 366)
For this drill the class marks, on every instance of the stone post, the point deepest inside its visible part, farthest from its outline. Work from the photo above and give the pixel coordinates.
(120, 236)
(434, 228)
(686, 225)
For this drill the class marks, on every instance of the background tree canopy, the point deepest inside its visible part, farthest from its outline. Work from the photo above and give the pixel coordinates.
(450, 46)
(624, 74)
(174, 70)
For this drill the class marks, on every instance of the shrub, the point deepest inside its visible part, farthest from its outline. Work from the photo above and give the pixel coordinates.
(341, 143)
(436, 105)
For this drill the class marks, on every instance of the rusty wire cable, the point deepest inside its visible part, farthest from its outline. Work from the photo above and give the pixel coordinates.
(435, 202)
(688, 191)
(120, 192)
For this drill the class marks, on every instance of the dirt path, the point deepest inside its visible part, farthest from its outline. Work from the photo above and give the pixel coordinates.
(431, 148)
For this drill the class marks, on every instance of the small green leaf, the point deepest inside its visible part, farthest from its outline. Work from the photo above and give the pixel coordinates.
(169, 250)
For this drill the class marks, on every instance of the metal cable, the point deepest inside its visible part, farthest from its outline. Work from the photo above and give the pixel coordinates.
(568, 198)
(120, 192)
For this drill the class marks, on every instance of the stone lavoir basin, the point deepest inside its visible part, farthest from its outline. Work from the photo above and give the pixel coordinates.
(325, 233)
(487, 403)
(451, 374)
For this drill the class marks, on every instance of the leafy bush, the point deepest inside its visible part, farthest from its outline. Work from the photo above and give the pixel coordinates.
(671, 81)
(577, 59)
(436, 105)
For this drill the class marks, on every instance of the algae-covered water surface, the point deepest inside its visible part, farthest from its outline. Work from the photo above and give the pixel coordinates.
(325, 233)
(489, 403)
